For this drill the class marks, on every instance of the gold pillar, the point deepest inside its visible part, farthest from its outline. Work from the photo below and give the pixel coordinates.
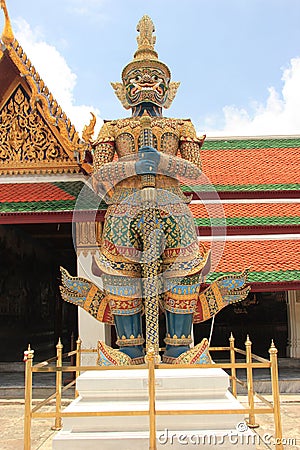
(233, 370)
(28, 358)
(276, 398)
(150, 358)
(251, 421)
(78, 362)
(58, 421)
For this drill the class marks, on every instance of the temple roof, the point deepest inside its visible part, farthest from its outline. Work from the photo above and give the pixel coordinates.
(47, 197)
(252, 165)
(46, 202)
(258, 231)
(247, 214)
(274, 263)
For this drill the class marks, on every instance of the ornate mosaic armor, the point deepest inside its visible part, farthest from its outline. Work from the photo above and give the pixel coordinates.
(181, 261)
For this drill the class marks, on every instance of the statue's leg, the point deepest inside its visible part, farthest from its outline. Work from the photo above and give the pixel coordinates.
(130, 338)
(125, 302)
(178, 335)
(179, 305)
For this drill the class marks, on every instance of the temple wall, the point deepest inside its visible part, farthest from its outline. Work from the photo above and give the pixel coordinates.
(293, 348)
(89, 329)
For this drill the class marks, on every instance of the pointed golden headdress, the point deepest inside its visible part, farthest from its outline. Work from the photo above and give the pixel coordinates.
(146, 53)
(146, 40)
(145, 57)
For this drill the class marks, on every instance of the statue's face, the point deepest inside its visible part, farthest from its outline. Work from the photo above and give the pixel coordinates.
(146, 85)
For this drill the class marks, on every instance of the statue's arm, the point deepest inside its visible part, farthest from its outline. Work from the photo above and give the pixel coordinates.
(106, 172)
(190, 144)
(189, 165)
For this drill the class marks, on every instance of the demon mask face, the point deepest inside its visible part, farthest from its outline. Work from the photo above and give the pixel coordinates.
(146, 79)
(146, 84)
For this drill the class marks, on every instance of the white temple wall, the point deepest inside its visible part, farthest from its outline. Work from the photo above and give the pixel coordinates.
(293, 348)
(90, 330)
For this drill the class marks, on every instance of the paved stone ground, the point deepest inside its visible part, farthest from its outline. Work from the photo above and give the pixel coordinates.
(12, 412)
(290, 418)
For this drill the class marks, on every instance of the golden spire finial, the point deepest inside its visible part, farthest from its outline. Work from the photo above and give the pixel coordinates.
(146, 39)
(7, 34)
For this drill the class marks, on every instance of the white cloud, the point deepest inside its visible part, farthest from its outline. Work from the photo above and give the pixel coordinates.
(93, 9)
(279, 115)
(56, 74)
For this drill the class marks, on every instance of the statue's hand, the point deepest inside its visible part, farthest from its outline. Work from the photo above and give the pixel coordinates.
(148, 161)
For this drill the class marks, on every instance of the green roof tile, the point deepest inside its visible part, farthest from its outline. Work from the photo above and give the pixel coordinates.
(234, 144)
(242, 187)
(247, 221)
(262, 277)
(84, 199)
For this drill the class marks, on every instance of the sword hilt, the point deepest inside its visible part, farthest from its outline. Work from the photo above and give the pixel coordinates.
(148, 180)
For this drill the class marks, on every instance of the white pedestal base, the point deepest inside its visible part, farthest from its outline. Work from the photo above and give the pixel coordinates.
(176, 389)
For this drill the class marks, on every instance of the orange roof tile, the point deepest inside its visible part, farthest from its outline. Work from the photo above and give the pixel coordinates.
(245, 210)
(252, 166)
(261, 256)
(32, 192)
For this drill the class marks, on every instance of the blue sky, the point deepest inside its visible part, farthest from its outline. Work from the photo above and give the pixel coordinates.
(238, 60)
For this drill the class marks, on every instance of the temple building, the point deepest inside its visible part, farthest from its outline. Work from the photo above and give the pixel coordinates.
(253, 199)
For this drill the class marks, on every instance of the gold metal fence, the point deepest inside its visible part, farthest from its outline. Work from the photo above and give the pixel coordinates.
(252, 362)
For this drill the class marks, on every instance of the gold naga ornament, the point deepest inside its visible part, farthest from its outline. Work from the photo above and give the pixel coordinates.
(145, 78)
(7, 34)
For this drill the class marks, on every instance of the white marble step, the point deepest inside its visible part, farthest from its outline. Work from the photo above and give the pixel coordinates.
(141, 423)
(170, 383)
(188, 439)
(127, 390)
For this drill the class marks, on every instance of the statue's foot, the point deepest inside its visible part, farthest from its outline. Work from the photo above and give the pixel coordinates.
(108, 356)
(195, 355)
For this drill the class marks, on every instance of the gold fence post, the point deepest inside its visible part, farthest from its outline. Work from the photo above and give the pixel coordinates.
(251, 421)
(150, 358)
(78, 362)
(276, 397)
(28, 359)
(233, 370)
(58, 421)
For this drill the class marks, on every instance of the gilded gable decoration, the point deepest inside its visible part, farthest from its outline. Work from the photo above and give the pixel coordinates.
(36, 136)
(25, 138)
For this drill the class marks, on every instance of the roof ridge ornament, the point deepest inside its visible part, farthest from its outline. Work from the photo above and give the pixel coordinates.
(7, 33)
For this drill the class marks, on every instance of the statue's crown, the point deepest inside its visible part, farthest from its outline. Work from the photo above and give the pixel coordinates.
(145, 53)
(146, 60)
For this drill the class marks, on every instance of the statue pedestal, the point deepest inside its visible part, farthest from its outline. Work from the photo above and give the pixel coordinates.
(176, 389)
